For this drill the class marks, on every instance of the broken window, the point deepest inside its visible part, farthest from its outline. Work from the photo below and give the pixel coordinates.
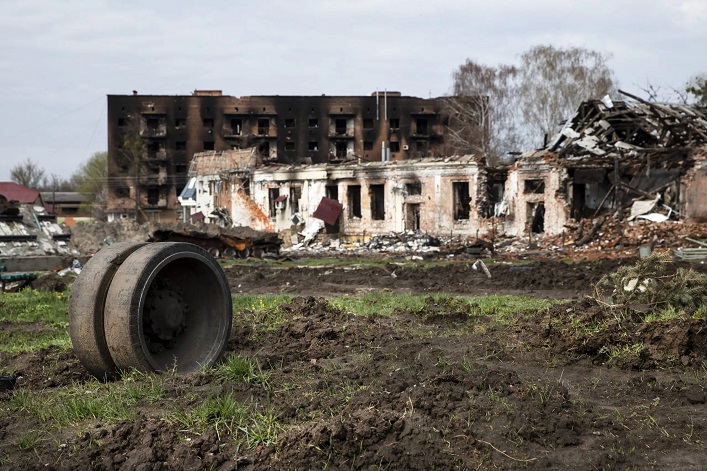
(395, 146)
(353, 195)
(180, 145)
(340, 126)
(413, 188)
(341, 149)
(295, 195)
(394, 123)
(313, 145)
(313, 123)
(367, 124)
(421, 148)
(209, 145)
(153, 149)
(534, 187)
(290, 123)
(122, 191)
(332, 192)
(289, 146)
(153, 196)
(208, 122)
(421, 126)
(180, 122)
(273, 195)
(462, 208)
(264, 149)
(236, 126)
(263, 127)
(367, 145)
(377, 202)
(152, 123)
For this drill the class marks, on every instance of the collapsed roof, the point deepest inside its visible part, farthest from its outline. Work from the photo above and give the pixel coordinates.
(603, 130)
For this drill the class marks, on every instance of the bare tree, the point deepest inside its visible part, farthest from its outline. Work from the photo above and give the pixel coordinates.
(28, 174)
(554, 81)
(481, 111)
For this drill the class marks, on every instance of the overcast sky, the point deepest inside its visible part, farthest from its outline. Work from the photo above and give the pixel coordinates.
(59, 59)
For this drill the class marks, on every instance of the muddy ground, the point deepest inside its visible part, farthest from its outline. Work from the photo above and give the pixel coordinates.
(433, 388)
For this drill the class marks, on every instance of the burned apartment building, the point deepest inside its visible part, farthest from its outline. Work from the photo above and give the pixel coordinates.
(151, 139)
(629, 157)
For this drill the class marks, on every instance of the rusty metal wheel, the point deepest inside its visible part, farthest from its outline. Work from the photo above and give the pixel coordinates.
(168, 307)
(86, 308)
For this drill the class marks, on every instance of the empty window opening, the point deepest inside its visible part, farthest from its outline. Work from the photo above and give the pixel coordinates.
(421, 125)
(537, 217)
(394, 123)
(353, 195)
(209, 145)
(367, 145)
(180, 169)
(340, 126)
(377, 202)
(121, 122)
(313, 122)
(236, 126)
(332, 192)
(180, 122)
(367, 124)
(273, 194)
(153, 196)
(122, 191)
(534, 187)
(264, 149)
(313, 145)
(421, 148)
(341, 149)
(180, 145)
(395, 146)
(290, 123)
(413, 188)
(295, 195)
(208, 122)
(153, 149)
(263, 127)
(412, 217)
(152, 123)
(289, 146)
(462, 207)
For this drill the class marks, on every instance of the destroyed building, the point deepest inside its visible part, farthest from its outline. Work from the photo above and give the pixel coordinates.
(151, 139)
(648, 159)
(643, 159)
(30, 238)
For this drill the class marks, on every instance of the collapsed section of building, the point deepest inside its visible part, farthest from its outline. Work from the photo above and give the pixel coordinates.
(630, 159)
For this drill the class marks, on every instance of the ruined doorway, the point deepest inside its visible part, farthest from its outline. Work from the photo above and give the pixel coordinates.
(579, 191)
(536, 211)
(462, 201)
(412, 217)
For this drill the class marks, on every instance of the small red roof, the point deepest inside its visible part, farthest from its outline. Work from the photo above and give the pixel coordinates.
(15, 192)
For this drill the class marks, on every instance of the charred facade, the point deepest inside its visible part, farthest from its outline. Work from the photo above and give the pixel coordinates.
(151, 139)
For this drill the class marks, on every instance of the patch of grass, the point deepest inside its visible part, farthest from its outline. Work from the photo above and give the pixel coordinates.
(262, 311)
(29, 306)
(93, 399)
(28, 440)
(385, 303)
(624, 353)
(669, 313)
(22, 341)
(245, 422)
(242, 368)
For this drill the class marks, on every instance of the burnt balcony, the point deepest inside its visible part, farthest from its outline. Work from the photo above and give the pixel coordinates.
(154, 132)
